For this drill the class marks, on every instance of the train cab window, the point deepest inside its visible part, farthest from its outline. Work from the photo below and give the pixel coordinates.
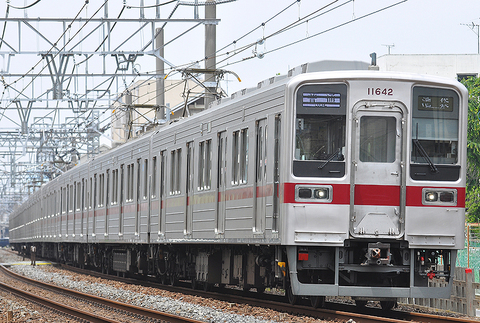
(320, 127)
(435, 119)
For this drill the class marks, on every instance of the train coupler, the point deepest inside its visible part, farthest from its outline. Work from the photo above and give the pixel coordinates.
(378, 253)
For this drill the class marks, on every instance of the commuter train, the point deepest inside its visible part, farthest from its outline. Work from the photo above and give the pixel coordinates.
(339, 183)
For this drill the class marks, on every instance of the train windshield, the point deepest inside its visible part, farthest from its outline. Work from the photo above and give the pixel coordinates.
(435, 126)
(320, 137)
(320, 124)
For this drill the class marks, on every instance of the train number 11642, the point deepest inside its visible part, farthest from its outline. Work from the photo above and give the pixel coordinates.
(379, 91)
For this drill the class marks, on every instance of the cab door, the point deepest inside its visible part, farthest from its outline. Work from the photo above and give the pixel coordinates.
(377, 195)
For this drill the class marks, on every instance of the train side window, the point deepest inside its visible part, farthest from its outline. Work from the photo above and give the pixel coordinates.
(201, 165)
(78, 204)
(63, 199)
(208, 165)
(70, 198)
(179, 170)
(145, 179)
(172, 172)
(129, 183)
(240, 157)
(107, 199)
(163, 161)
(101, 190)
(154, 177)
(90, 195)
(244, 157)
(175, 173)
(127, 186)
(235, 157)
(205, 165)
(95, 190)
(114, 187)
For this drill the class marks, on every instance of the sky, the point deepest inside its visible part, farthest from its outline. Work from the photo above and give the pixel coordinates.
(412, 26)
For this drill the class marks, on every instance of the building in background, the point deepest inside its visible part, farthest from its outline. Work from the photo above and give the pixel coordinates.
(135, 110)
(457, 66)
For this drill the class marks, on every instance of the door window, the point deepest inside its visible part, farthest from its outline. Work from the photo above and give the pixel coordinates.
(377, 139)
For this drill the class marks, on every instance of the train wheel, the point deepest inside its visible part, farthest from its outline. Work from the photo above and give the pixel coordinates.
(260, 288)
(388, 305)
(292, 299)
(317, 301)
(173, 280)
(360, 303)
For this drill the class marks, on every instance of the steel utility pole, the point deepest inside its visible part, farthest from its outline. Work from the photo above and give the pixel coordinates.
(210, 49)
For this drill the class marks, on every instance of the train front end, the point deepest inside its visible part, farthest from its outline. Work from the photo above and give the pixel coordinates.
(374, 190)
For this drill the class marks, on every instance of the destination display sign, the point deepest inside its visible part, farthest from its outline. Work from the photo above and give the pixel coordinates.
(435, 103)
(321, 100)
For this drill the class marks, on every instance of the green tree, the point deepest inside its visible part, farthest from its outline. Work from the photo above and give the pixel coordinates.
(472, 202)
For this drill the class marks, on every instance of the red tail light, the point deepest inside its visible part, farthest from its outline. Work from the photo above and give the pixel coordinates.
(302, 256)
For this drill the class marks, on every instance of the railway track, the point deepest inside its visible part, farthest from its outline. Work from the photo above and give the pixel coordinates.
(79, 305)
(333, 311)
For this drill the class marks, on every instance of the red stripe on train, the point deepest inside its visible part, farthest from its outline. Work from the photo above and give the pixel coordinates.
(380, 195)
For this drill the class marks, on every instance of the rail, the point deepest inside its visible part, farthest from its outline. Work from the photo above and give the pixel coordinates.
(338, 311)
(91, 298)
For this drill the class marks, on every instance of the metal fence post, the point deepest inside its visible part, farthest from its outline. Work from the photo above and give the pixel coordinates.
(469, 292)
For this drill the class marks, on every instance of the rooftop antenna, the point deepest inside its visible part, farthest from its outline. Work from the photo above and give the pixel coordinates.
(389, 47)
(474, 26)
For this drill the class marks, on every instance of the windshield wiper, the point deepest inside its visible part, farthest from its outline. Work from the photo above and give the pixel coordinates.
(424, 154)
(329, 159)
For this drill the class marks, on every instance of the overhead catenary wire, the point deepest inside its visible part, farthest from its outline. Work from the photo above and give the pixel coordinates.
(51, 49)
(337, 26)
(25, 7)
(252, 44)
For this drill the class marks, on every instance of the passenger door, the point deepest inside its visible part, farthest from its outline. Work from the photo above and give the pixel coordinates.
(378, 191)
